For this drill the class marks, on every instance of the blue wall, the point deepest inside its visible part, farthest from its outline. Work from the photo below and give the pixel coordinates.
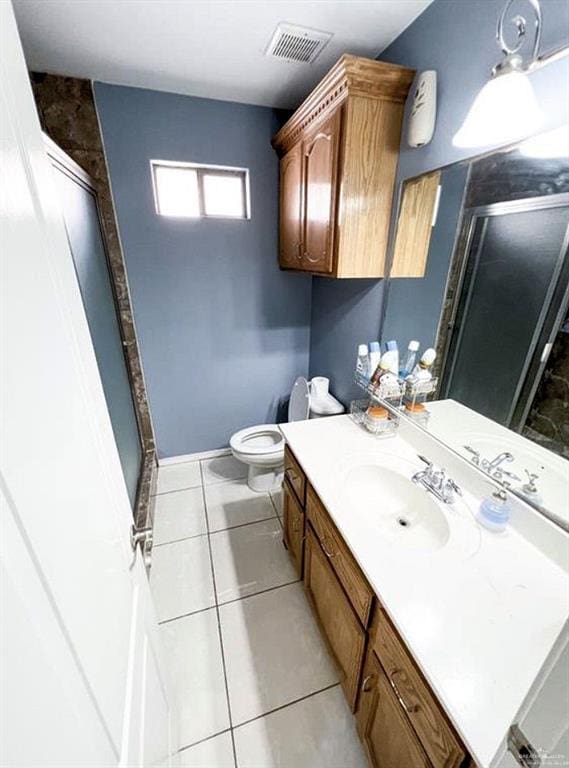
(223, 332)
(457, 38)
(344, 314)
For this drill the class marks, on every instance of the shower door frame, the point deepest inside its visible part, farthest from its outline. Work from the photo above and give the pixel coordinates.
(550, 319)
(60, 160)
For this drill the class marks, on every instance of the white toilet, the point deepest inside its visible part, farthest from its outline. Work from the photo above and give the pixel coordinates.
(262, 447)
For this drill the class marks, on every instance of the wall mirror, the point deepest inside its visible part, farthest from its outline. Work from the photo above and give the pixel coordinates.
(494, 302)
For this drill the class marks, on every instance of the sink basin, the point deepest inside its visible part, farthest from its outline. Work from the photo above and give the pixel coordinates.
(405, 514)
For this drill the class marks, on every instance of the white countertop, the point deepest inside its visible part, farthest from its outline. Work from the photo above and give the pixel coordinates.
(479, 618)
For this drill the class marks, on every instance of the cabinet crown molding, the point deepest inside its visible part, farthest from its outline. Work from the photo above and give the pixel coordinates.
(350, 76)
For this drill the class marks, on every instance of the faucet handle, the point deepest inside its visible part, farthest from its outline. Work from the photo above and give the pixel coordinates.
(532, 477)
(425, 460)
(475, 454)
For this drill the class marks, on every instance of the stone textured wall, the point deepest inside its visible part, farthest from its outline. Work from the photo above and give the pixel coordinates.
(68, 115)
(548, 421)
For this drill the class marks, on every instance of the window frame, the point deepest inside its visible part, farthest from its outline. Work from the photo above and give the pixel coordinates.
(203, 169)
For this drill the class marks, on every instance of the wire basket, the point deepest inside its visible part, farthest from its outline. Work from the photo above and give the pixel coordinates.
(378, 427)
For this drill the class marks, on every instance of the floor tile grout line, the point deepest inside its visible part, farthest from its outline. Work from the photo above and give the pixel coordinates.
(260, 592)
(177, 490)
(201, 741)
(241, 525)
(186, 615)
(284, 706)
(220, 633)
(177, 541)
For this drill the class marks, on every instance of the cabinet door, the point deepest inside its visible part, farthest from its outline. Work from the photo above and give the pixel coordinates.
(293, 523)
(321, 151)
(388, 738)
(290, 201)
(344, 634)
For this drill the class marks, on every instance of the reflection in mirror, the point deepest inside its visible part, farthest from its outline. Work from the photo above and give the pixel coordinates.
(493, 298)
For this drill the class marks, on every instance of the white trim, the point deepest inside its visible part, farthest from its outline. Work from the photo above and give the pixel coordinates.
(194, 457)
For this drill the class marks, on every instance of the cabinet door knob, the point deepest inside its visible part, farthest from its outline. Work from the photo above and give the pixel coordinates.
(368, 683)
(291, 474)
(322, 542)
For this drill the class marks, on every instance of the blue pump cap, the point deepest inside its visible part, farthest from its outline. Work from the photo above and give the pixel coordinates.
(391, 346)
(374, 346)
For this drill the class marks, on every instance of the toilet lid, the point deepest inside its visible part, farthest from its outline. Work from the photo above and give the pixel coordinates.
(299, 403)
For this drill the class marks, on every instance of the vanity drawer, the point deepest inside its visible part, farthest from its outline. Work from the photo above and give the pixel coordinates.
(295, 475)
(429, 722)
(340, 557)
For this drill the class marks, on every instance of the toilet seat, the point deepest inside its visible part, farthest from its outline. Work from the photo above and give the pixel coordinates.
(263, 440)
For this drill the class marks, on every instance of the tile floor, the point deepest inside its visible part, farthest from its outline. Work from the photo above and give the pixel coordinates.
(255, 684)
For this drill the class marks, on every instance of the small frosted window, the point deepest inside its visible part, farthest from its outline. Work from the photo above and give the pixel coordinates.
(177, 192)
(200, 191)
(223, 195)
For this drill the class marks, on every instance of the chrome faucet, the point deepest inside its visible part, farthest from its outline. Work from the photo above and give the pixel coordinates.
(501, 458)
(437, 482)
(495, 467)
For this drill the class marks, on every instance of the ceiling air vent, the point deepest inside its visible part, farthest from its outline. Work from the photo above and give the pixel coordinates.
(297, 43)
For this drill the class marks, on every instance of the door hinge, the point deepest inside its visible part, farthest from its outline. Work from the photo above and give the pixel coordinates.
(521, 748)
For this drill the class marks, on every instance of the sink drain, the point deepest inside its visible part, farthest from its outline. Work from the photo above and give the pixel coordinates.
(403, 522)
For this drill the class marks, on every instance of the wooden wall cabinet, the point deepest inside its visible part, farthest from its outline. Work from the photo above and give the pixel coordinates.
(339, 156)
(419, 200)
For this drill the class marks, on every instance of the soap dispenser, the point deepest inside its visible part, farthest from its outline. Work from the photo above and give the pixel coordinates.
(494, 512)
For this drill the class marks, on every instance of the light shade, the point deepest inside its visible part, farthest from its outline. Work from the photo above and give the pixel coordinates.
(504, 111)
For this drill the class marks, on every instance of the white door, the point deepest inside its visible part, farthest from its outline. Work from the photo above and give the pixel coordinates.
(82, 680)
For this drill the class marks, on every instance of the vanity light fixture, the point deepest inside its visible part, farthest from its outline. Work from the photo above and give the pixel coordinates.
(506, 108)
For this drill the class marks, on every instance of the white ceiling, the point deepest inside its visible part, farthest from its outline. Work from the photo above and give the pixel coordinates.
(213, 49)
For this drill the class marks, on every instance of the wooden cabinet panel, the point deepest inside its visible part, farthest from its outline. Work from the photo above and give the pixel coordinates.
(290, 203)
(414, 226)
(382, 725)
(350, 128)
(342, 630)
(293, 524)
(320, 184)
(430, 724)
(341, 559)
(295, 475)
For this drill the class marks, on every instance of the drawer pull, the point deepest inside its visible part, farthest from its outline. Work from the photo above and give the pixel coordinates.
(322, 542)
(368, 683)
(291, 474)
(410, 708)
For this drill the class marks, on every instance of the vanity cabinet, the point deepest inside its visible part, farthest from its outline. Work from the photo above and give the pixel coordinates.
(389, 740)
(339, 156)
(293, 526)
(345, 636)
(398, 717)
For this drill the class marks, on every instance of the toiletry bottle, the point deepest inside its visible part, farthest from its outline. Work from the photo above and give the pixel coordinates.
(410, 360)
(393, 358)
(494, 512)
(362, 363)
(422, 371)
(383, 373)
(374, 356)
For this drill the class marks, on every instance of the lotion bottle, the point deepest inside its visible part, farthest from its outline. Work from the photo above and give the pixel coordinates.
(362, 363)
(392, 355)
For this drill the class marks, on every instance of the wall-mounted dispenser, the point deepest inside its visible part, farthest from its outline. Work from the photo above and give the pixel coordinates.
(424, 110)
